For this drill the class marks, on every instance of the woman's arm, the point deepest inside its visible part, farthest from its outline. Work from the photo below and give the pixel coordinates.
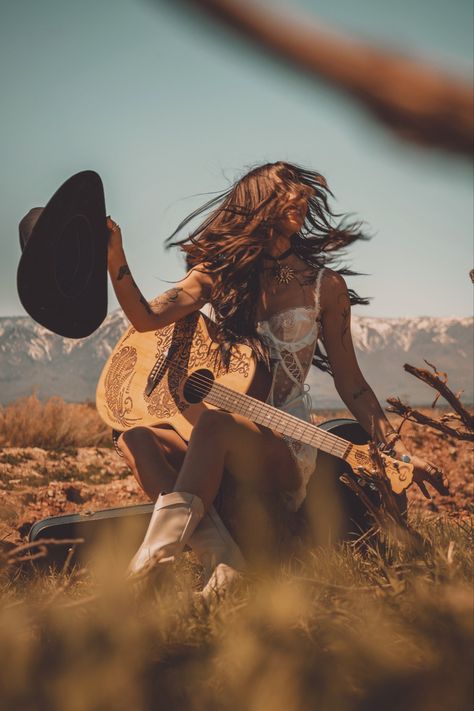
(351, 385)
(348, 379)
(189, 295)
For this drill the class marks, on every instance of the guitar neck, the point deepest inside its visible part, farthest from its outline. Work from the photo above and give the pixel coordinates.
(277, 420)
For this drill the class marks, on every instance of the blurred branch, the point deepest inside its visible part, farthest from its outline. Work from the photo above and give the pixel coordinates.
(415, 99)
(37, 549)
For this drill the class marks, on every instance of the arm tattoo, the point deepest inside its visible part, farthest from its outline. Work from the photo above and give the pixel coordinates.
(360, 392)
(146, 305)
(346, 311)
(169, 297)
(345, 325)
(123, 271)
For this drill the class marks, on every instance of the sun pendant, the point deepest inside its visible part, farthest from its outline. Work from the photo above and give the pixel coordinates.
(284, 274)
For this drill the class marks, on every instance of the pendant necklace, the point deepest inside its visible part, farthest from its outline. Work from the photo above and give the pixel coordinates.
(282, 273)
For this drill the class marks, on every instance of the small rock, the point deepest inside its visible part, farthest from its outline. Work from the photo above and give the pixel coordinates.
(74, 494)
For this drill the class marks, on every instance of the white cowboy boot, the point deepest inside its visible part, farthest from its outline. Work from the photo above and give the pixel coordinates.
(174, 518)
(213, 544)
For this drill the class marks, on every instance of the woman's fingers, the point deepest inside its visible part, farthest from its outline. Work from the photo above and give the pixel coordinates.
(423, 489)
(427, 473)
(438, 480)
(112, 225)
(115, 236)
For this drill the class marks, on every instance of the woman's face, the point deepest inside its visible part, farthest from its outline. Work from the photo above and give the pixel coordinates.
(294, 206)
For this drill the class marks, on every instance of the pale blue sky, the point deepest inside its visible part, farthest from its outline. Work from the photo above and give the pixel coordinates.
(164, 109)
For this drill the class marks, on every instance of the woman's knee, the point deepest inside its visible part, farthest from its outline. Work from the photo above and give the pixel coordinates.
(211, 425)
(134, 438)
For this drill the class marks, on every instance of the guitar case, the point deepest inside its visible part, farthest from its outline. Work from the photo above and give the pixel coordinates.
(331, 513)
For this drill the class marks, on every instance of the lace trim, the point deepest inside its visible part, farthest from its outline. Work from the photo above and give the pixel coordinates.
(293, 359)
(288, 308)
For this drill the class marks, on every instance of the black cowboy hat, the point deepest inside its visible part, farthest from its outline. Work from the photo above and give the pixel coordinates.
(62, 274)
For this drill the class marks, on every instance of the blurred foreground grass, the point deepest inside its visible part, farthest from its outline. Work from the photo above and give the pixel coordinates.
(347, 629)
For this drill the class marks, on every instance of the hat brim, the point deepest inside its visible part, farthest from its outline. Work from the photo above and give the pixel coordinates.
(62, 274)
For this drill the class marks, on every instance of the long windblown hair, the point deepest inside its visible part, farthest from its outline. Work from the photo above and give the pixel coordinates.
(230, 242)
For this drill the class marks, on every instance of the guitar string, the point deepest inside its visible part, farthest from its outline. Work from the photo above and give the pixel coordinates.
(299, 428)
(224, 395)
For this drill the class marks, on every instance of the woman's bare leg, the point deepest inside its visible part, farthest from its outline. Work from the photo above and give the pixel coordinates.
(253, 455)
(155, 455)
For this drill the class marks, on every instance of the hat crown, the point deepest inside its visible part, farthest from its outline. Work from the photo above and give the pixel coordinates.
(74, 256)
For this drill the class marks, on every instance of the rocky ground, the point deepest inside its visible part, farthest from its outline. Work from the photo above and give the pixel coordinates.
(36, 483)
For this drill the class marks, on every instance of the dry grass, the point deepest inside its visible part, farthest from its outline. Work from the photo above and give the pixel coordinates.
(53, 424)
(342, 630)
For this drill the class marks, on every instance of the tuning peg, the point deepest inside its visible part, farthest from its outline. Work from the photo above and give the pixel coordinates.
(406, 458)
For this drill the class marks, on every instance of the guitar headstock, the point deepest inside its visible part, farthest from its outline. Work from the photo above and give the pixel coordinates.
(399, 473)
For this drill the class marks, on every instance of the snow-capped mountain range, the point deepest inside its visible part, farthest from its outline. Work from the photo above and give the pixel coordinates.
(33, 358)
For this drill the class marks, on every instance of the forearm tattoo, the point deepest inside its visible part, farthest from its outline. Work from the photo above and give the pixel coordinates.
(123, 271)
(361, 391)
(146, 305)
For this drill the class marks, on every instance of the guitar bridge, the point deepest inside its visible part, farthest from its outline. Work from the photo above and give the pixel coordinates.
(158, 370)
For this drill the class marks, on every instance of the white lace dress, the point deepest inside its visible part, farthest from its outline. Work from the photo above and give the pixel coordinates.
(291, 336)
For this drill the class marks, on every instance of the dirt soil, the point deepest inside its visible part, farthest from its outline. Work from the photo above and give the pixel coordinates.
(36, 483)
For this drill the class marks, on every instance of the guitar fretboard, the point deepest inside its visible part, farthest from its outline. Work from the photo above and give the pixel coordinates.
(277, 420)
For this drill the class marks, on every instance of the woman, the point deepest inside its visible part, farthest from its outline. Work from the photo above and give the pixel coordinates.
(260, 259)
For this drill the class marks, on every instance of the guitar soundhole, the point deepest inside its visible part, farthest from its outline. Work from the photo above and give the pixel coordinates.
(198, 385)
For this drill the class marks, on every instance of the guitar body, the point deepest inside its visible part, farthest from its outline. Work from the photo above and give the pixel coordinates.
(172, 375)
(169, 356)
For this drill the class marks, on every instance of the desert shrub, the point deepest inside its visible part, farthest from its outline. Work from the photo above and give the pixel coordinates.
(54, 423)
(345, 629)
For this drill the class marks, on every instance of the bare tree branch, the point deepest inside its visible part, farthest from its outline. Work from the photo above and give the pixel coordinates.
(409, 413)
(437, 381)
(420, 102)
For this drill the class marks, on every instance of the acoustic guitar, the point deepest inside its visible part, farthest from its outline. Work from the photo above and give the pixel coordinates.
(170, 376)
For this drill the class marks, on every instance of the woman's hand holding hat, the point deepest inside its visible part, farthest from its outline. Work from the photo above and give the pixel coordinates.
(115, 236)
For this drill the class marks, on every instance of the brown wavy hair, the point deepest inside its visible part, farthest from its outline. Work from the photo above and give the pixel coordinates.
(230, 242)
